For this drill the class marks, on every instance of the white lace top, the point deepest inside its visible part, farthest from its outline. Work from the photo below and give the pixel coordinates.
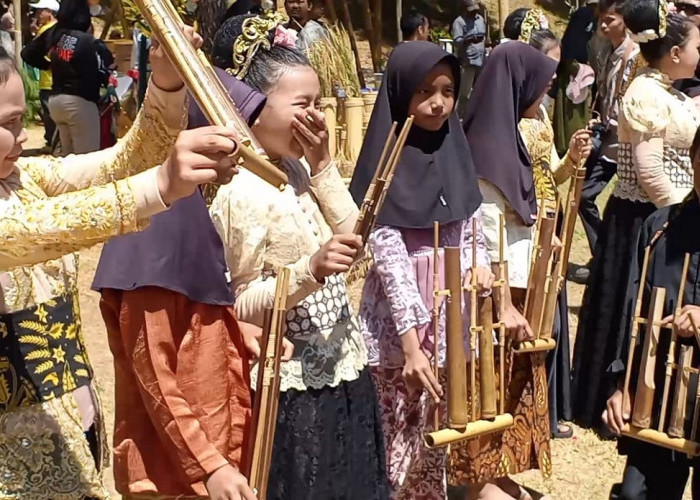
(656, 128)
(263, 228)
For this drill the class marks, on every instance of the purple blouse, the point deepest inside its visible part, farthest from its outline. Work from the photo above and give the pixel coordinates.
(398, 291)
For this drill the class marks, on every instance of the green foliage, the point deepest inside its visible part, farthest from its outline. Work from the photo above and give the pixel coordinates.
(439, 32)
(31, 92)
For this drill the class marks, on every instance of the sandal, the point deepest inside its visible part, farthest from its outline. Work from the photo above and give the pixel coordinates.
(563, 431)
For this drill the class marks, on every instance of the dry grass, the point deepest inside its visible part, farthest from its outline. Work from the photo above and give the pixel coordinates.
(334, 62)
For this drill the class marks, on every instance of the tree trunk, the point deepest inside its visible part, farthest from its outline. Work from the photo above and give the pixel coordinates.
(353, 41)
(210, 15)
(17, 12)
(377, 48)
(369, 32)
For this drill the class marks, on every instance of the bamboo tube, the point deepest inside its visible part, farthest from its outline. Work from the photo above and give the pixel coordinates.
(503, 280)
(536, 345)
(672, 347)
(541, 260)
(635, 327)
(660, 439)
(473, 330)
(268, 390)
(677, 423)
(696, 413)
(436, 310)
(443, 437)
(368, 100)
(329, 106)
(457, 411)
(644, 399)
(207, 90)
(486, 361)
(354, 109)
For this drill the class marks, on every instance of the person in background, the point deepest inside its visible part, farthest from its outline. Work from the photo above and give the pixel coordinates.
(415, 26)
(690, 86)
(614, 65)
(242, 7)
(45, 18)
(469, 33)
(80, 65)
(96, 9)
(656, 126)
(7, 22)
(299, 12)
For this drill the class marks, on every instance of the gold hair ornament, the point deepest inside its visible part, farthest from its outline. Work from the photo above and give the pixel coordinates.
(255, 34)
(534, 20)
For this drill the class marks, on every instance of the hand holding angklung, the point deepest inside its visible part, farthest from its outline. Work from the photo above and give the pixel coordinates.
(164, 74)
(484, 279)
(614, 415)
(516, 325)
(335, 256)
(686, 321)
(199, 156)
(310, 130)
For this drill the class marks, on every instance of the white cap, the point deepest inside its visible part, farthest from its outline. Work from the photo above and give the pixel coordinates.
(52, 5)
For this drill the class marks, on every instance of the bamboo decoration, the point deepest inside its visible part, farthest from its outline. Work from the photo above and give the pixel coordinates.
(264, 420)
(383, 175)
(472, 411)
(208, 91)
(647, 407)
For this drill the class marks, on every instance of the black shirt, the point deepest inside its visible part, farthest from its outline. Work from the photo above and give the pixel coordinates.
(79, 63)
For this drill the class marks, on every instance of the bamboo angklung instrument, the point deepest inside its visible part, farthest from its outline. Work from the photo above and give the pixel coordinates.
(679, 408)
(378, 188)
(204, 85)
(540, 271)
(641, 426)
(265, 405)
(437, 302)
(644, 396)
(484, 418)
(670, 359)
(573, 198)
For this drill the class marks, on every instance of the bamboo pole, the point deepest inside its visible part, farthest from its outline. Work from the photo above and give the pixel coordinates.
(347, 21)
(369, 28)
(436, 311)
(331, 14)
(473, 331)
(17, 10)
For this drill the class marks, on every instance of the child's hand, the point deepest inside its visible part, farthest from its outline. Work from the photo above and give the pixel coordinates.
(251, 339)
(309, 129)
(517, 326)
(226, 483)
(484, 279)
(614, 415)
(417, 371)
(686, 321)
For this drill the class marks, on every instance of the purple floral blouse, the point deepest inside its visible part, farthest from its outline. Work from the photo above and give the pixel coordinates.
(398, 291)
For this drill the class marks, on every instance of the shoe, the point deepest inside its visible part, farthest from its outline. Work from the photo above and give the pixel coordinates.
(580, 274)
(563, 431)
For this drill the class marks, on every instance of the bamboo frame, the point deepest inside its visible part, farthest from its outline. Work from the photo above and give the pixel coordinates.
(206, 88)
(265, 407)
(381, 181)
(472, 409)
(643, 426)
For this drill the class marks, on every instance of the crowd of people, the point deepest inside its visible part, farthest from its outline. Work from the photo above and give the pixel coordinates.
(185, 280)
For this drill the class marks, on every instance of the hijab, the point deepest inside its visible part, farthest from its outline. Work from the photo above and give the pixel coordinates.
(435, 178)
(514, 77)
(181, 250)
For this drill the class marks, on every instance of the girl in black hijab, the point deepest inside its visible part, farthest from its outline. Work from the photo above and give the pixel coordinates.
(435, 181)
(512, 87)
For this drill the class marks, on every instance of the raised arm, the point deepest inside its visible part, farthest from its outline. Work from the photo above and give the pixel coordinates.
(147, 144)
(337, 206)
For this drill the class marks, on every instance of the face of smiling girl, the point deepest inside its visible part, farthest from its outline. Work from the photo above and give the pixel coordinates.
(12, 133)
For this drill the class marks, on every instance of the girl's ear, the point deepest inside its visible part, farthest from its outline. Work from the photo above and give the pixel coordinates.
(675, 54)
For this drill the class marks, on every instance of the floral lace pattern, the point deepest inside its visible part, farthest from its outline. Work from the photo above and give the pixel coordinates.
(328, 345)
(44, 454)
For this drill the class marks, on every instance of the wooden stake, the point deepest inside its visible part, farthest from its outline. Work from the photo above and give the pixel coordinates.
(369, 32)
(347, 20)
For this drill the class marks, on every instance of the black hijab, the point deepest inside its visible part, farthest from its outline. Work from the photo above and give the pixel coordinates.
(435, 179)
(514, 77)
(181, 250)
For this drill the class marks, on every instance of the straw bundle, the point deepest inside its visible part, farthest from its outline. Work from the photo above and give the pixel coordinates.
(133, 16)
(334, 62)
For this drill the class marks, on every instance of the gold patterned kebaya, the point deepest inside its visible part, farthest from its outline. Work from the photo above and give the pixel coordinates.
(46, 399)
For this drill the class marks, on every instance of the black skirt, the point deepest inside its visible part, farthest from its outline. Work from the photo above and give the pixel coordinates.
(329, 444)
(602, 312)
